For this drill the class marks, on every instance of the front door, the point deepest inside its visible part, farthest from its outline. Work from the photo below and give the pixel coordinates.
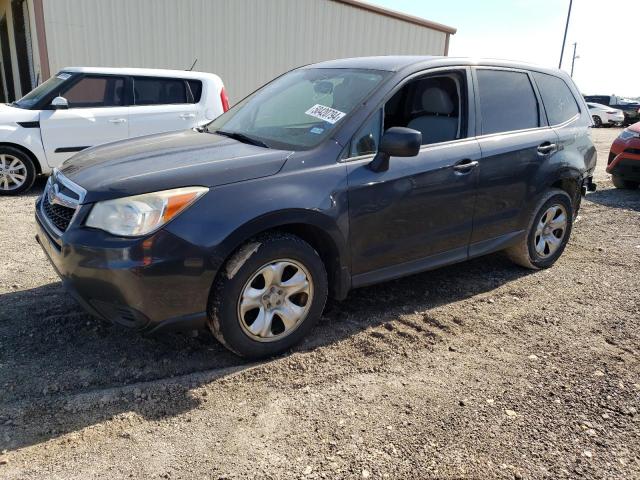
(419, 212)
(97, 114)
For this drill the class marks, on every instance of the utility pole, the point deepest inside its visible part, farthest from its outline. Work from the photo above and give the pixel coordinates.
(573, 61)
(566, 28)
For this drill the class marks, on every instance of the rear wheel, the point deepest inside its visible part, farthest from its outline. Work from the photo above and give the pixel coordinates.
(597, 121)
(619, 182)
(17, 171)
(548, 232)
(268, 296)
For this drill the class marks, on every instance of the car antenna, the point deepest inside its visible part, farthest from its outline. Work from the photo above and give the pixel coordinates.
(192, 65)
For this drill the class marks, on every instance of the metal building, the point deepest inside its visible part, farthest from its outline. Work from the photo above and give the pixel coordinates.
(246, 42)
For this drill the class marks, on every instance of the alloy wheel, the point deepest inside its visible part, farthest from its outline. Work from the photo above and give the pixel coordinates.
(275, 300)
(550, 231)
(13, 172)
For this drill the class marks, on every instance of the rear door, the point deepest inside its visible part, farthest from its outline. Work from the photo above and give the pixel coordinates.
(163, 105)
(516, 142)
(97, 114)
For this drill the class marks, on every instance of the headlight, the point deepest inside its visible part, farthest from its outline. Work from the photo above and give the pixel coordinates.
(142, 214)
(626, 134)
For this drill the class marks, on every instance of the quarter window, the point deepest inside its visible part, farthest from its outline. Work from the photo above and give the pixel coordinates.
(195, 89)
(95, 92)
(159, 91)
(559, 102)
(366, 140)
(507, 101)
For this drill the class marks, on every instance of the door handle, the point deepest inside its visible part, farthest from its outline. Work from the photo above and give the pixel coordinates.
(117, 120)
(465, 166)
(187, 115)
(547, 148)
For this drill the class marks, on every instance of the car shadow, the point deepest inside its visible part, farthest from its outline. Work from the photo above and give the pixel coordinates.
(37, 188)
(616, 198)
(62, 370)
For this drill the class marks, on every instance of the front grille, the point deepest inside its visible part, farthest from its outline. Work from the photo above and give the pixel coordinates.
(58, 215)
(635, 151)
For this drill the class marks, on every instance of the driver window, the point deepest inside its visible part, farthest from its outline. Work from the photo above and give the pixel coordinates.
(433, 105)
(96, 91)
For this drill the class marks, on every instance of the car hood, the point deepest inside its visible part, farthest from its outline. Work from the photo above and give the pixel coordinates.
(168, 160)
(635, 127)
(9, 114)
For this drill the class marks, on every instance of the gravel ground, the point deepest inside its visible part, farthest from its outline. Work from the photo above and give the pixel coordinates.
(479, 370)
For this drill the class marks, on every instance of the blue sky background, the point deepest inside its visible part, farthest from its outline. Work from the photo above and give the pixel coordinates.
(607, 32)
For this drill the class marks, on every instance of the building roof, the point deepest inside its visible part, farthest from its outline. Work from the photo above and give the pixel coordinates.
(399, 15)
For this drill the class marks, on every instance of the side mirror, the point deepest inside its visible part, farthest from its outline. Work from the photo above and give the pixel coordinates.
(396, 142)
(59, 103)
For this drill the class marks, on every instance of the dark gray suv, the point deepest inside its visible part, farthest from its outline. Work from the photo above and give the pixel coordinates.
(333, 176)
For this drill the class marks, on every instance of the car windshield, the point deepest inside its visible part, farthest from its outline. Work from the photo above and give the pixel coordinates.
(300, 109)
(41, 91)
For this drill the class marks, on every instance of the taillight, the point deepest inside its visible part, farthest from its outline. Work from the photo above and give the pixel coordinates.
(224, 99)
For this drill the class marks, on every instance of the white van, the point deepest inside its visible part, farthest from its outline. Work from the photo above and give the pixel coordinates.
(81, 107)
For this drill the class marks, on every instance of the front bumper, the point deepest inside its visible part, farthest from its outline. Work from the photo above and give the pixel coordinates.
(151, 284)
(624, 159)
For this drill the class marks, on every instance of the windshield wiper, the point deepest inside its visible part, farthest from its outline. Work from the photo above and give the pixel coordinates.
(241, 137)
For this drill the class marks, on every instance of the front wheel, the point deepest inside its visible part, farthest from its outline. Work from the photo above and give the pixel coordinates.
(17, 171)
(547, 234)
(619, 182)
(597, 121)
(268, 296)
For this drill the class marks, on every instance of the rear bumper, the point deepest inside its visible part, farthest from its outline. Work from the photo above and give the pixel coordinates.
(155, 284)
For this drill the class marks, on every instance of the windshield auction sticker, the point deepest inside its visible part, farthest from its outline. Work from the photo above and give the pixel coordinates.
(327, 114)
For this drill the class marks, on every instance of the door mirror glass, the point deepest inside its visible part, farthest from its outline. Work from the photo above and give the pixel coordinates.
(396, 142)
(59, 103)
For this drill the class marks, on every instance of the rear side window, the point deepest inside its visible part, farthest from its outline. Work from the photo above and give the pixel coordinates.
(195, 89)
(95, 91)
(159, 91)
(559, 102)
(507, 101)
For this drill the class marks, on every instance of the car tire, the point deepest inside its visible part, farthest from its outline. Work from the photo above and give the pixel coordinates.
(597, 121)
(259, 306)
(17, 171)
(543, 244)
(619, 182)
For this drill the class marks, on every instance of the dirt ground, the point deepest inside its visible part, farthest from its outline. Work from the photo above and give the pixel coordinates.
(479, 370)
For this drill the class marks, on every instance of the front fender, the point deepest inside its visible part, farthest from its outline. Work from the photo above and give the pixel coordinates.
(229, 215)
(25, 138)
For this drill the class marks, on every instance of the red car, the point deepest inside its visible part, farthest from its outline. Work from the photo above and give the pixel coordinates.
(624, 158)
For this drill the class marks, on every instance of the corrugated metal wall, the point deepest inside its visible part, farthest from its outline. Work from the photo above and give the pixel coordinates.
(246, 42)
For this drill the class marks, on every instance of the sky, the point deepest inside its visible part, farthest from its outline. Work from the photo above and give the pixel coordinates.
(607, 33)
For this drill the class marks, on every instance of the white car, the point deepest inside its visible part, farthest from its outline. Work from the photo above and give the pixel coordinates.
(81, 107)
(603, 115)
